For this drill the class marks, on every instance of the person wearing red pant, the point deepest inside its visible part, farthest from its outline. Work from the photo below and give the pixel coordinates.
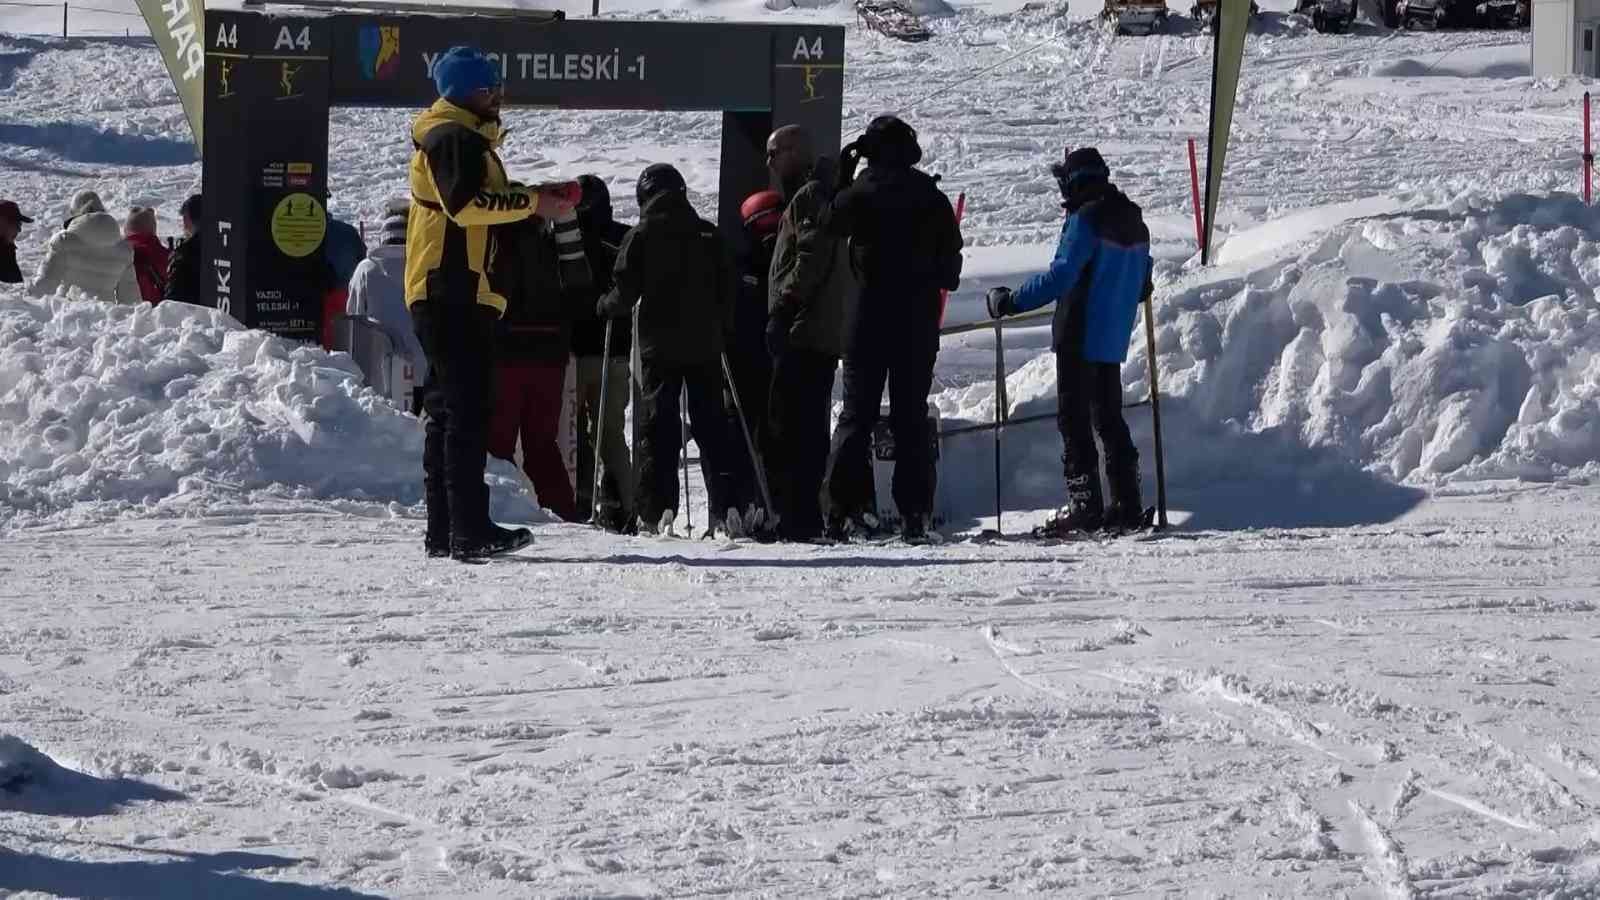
(534, 343)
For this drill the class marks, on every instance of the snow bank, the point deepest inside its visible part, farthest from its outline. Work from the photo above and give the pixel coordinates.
(1324, 383)
(105, 409)
(32, 782)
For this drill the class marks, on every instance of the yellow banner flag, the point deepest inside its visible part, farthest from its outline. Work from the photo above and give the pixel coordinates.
(179, 29)
(1233, 20)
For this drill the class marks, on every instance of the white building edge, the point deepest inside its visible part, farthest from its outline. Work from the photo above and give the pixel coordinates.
(1566, 37)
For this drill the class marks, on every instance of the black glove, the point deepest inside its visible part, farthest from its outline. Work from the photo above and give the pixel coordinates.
(1001, 302)
(778, 335)
(849, 158)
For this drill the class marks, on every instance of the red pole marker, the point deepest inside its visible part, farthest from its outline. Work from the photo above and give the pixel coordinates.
(1588, 152)
(944, 296)
(1194, 189)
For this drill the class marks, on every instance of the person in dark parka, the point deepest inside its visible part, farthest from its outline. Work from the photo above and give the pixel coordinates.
(674, 266)
(905, 247)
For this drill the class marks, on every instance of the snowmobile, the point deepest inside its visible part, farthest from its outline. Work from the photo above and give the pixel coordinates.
(1335, 16)
(1204, 13)
(1135, 16)
(1427, 15)
(1503, 14)
(891, 18)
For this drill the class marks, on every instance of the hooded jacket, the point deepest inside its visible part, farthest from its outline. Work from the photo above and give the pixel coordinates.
(150, 259)
(459, 189)
(675, 266)
(810, 283)
(377, 292)
(92, 256)
(904, 241)
(1100, 275)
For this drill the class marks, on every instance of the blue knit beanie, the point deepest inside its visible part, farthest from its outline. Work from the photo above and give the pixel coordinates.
(461, 71)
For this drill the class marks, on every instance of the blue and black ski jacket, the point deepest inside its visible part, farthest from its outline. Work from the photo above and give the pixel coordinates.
(1100, 274)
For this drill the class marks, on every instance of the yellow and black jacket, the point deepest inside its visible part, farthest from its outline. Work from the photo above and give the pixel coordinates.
(459, 189)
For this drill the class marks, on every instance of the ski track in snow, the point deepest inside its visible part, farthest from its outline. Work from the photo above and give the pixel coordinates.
(410, 728)
(1386, 690)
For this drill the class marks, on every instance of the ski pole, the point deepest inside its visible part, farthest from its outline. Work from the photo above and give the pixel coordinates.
(999, 413)
(749, 442)
(1155, 409)
(683, 419)
(600, 423)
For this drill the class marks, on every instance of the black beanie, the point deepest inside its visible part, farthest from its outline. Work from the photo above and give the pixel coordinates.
(1084, 164)
(596, 197)
(658, 179)
(889, 141)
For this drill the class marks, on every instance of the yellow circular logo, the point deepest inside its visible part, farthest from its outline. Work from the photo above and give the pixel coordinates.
(299, 224)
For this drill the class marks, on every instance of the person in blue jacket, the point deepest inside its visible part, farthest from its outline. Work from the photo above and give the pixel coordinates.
(1100, 275)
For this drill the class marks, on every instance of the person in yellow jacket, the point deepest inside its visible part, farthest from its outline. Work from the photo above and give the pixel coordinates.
(459, 189)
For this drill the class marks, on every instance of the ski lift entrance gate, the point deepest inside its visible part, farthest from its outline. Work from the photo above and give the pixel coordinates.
(272, 80)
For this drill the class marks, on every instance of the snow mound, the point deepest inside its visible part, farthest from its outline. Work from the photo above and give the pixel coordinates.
(1326, 382)
(110, 409)
(32, 782)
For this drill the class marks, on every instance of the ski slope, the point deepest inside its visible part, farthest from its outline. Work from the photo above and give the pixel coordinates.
(1362, 666)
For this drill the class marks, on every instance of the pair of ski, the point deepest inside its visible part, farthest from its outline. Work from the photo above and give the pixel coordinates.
(1147, 530)
(765, 518)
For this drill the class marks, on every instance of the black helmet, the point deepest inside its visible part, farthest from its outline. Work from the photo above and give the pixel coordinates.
(657, 179)
(889, 141)
(1084, 165)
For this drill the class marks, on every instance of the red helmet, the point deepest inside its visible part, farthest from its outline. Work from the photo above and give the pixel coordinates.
(761, 212)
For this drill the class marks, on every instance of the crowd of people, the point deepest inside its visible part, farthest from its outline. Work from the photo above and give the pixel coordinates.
(492, 287)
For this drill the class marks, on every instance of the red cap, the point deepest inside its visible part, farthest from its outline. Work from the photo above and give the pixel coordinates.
(8, 210)
(762, 212)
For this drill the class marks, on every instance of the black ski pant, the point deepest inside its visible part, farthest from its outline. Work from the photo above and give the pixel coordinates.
(752, 376)
(458, 339)
(1089, 403)
(797, 449)
(660, 435)
(906, 364)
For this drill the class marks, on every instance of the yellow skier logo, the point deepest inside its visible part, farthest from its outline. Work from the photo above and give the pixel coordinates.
(286, 77)
(224, 73)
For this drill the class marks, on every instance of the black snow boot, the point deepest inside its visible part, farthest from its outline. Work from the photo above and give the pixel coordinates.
(495, 542)
(914, 530)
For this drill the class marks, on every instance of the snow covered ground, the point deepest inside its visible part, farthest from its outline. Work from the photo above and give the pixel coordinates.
(1364, 665)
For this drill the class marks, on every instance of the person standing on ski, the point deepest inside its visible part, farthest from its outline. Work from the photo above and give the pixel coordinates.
(905, 247)
(459, 189)
(1100, 275)
(811, 300)
(674, 266)
(602, 238)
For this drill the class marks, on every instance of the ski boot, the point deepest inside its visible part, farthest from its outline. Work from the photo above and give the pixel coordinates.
(496, 541)
(1083, 514)
(1127, 511)
(914, 530)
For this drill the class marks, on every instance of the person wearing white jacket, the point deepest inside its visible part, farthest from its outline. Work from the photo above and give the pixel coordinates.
(89, 254)
(377, 289)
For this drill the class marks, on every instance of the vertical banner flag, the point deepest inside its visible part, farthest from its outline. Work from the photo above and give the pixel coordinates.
(177, 26)
(1233, 20)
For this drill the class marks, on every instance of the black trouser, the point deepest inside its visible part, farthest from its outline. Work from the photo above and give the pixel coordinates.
(660, 436)
(797, 449)
(1089, 403)
(752, 376)
(906, 363)
(458, 339)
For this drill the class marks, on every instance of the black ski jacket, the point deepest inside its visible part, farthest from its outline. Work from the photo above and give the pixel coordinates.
(601, 242)
(675, 266)
(905, 247)
(9, 272)
(183, 272)
(537, 326)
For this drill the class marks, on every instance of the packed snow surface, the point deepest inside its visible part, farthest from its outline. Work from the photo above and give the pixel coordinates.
(1363, 666)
